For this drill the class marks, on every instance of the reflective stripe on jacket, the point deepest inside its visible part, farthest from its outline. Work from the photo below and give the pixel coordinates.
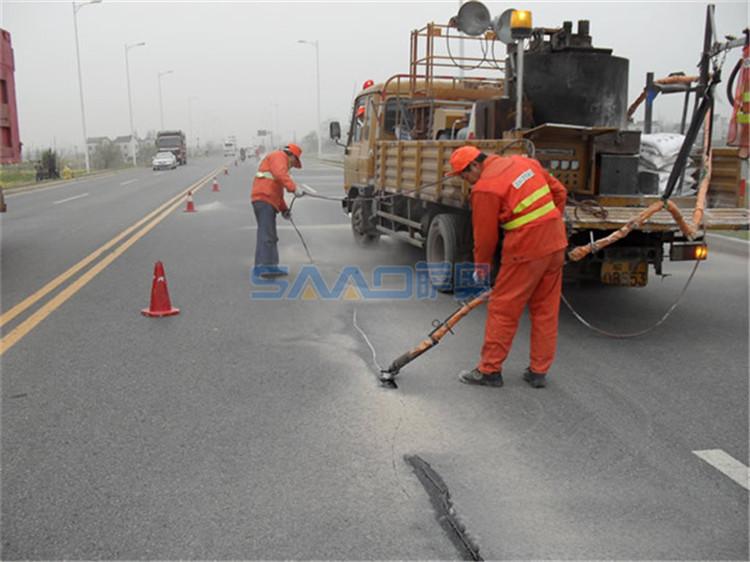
(521, 217)
(271, 179)
(743, 115)
(518, 195)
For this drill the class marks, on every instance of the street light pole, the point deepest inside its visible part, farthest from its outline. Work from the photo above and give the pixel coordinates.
(161, 106)
(276, 124)
(317, 80)
(130, 99)
(77, 7)
(190, 116)
(461, 49)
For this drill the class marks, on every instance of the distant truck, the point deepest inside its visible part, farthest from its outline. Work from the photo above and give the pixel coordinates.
(10, 145)
(174, 142)
(573, 116)
(230, 147)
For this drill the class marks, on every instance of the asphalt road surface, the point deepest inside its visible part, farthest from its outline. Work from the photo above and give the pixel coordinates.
(252, 428)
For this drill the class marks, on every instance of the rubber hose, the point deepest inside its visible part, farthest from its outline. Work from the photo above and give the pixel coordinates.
(730, 82)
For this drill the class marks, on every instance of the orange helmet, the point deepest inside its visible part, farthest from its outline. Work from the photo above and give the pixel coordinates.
(462, 157)
(295, 151)
(361, 111)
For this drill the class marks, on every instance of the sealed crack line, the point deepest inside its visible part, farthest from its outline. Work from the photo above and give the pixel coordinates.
(367, 341)
(440, 498)
(401, 415)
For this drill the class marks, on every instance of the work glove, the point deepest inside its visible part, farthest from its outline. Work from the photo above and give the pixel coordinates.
(469, 282)
(286, 214)
(299, 191)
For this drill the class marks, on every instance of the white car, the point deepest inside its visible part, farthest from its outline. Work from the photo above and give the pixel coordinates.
(164, 160)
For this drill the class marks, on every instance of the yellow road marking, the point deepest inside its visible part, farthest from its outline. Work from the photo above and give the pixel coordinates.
(15, 335)
(60, 279)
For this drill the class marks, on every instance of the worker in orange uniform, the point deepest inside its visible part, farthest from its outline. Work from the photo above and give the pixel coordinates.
(267, 198)
(739, 125)
(516, 194)
(359, 124)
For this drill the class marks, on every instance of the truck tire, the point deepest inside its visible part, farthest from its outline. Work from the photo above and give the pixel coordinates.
(443, 246)
(364, 233)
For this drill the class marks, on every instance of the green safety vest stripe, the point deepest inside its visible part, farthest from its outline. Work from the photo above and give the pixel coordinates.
(743, 118)
(531, 199)
(532, 216)
(746, 96)
(265, 175)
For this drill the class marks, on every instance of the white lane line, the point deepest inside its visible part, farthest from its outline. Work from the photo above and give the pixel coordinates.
(129, 181)
(70, 198)
(727, 464)
(26, 190)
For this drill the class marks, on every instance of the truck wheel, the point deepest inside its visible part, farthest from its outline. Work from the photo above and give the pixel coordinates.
(442, 247)
(361, 228)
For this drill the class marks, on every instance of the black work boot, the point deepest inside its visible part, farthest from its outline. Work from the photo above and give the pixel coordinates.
(270, 272)
(475, 376)
(535, 380)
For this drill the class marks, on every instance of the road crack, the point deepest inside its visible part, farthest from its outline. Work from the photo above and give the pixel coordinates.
(446, 514)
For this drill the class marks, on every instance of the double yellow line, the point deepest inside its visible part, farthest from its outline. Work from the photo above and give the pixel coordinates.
(145, 225)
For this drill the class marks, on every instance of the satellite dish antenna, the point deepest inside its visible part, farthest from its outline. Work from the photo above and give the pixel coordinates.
(501, 25)
(473, 18)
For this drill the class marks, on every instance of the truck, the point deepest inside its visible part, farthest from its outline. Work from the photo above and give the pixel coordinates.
(174, 142)
(10, 144)
(571, 116)
(230, 147)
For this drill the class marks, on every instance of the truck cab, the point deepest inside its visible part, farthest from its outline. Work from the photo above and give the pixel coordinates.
(174, 142)
(230, 147)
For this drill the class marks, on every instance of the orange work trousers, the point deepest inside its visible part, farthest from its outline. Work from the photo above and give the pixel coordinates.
(537, 283)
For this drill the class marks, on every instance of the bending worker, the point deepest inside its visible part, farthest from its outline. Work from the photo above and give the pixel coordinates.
(516, 194)
(267, 198)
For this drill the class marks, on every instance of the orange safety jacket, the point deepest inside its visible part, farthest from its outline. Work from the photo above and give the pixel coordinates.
(271, 179)
(518, 195)
(739, 126)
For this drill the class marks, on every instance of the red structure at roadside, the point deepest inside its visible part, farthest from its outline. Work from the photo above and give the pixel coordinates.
(10, 144)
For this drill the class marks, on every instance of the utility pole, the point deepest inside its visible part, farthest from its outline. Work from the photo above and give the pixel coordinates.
(77, 7)
(190, 118)
(130, 100)
(161, 105)
(317, 80)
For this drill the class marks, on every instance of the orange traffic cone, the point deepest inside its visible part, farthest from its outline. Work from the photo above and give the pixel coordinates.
(190, 207)
(215, 185)
(160, 304)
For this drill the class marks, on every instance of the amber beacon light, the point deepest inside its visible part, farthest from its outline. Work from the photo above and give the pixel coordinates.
(520, 24)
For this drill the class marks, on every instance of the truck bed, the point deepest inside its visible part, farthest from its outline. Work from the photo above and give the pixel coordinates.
(616, 217)
(416, 169)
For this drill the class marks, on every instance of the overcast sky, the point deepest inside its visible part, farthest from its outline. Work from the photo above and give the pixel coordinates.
(243, 64)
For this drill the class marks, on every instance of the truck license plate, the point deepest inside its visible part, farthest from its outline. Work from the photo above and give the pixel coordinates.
(625, 273)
